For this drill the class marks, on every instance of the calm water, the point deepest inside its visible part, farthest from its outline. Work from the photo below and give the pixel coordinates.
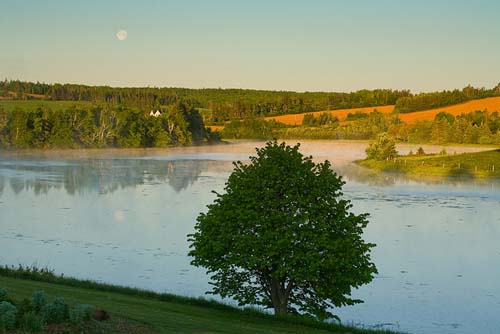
(123, 216)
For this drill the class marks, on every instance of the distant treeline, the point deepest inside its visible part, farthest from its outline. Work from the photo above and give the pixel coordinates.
(219, 105)
(215, 105)
(101, 126)
(479, 127)
(424, 101)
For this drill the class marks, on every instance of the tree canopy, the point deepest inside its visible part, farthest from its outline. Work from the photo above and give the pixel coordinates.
(217, 105)
(383, 148)
(101, 126)
(282, 236)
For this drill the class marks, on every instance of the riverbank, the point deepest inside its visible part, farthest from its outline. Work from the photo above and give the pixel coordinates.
(163, 313)
(476, 165)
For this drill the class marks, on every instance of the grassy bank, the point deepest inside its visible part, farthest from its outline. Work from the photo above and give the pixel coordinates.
(164, 313)
(480, 165)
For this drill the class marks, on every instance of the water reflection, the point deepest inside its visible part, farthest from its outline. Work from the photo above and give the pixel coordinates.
(102, 176)
(127, 216)
(356, 173)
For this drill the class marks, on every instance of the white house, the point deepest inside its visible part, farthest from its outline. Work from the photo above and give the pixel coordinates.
(155, 113)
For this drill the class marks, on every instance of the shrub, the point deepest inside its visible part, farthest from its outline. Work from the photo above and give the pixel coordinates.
(80, 314)
(32, 323)
(8, 314)
(486, 140)
(39, 299)
(23, 308)
(56, 312)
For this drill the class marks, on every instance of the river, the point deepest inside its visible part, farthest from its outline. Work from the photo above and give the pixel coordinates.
(122, 216)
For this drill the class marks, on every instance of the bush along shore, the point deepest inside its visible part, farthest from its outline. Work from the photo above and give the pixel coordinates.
(82, 306)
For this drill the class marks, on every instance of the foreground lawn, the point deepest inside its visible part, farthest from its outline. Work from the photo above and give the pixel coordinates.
(480, 165)
(169, 316)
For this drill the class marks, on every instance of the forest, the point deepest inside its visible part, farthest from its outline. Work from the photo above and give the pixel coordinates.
(217, 105)
(80, 116)
(424, 101)
(101, 126)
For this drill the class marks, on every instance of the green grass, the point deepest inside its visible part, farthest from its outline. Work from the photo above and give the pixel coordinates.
(34, 104)
(166, 313)
(478, 165)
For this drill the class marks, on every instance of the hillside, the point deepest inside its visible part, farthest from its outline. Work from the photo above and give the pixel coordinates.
(163, 313)
(220, 105)
(341, 114)
(491, 104)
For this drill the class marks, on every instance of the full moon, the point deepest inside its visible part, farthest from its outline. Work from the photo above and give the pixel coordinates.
(121, 35)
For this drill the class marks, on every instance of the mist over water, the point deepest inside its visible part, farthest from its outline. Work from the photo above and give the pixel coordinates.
(122, 217)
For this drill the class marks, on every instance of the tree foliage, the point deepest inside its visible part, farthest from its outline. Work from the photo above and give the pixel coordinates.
(383, 148)
(218, 105)
(433, 100)
(187, 110)
(100, 126)
(324, 118)
(250, 129)
(478, 127)
(282, 236)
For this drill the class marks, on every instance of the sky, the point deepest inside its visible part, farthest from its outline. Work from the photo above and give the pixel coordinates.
(309, 45)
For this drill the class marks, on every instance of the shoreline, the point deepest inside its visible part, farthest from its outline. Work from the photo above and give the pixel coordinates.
(481, 166)
(227, 142)
(188, 312)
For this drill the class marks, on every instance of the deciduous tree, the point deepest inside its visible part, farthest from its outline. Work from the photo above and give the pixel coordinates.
(282, 236)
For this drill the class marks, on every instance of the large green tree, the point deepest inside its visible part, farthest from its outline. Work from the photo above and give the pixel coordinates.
(282, 236)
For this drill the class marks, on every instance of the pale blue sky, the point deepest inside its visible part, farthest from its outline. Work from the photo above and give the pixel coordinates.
(311, 45)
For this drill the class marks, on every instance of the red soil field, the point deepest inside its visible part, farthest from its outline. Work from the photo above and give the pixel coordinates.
(491, 104)
(341, 114)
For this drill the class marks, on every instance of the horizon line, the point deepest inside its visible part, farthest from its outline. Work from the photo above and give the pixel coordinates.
(250, 89)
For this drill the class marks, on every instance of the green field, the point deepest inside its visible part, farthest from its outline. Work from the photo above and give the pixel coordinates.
(479, 165)
(34, 104)
(162, 312)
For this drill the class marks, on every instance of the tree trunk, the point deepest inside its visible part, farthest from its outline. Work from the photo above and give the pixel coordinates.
(279, 296)
(280, 309)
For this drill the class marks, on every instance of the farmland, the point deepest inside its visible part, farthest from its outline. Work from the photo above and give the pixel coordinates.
(341, 114)
(491, 104)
